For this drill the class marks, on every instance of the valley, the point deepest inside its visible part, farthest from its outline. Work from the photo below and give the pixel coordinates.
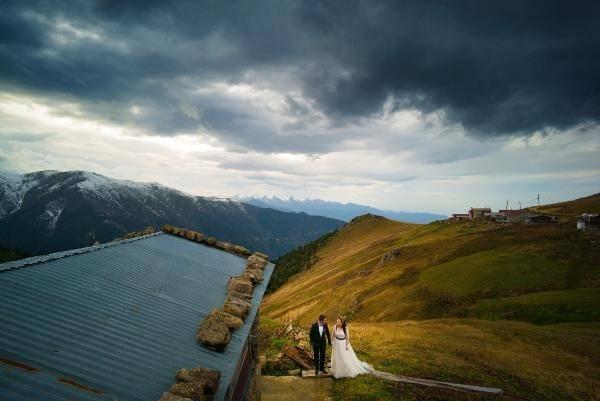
(49, 211)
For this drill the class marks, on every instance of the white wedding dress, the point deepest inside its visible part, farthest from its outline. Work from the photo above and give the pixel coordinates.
(344, 362)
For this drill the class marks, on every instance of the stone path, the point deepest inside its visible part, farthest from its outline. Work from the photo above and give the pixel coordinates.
(294, 388)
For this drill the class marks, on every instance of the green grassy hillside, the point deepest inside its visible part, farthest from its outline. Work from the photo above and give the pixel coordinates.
(568, 211)
(441, 270)
(455, 279)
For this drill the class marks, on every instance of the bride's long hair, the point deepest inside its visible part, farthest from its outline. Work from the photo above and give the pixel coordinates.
(343, 324)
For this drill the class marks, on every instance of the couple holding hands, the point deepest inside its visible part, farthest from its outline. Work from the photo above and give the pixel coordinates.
(344, 362)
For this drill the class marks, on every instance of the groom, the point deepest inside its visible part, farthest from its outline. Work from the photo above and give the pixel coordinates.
(319, 334)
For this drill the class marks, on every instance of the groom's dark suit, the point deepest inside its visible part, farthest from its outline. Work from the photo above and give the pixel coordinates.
(319, 343)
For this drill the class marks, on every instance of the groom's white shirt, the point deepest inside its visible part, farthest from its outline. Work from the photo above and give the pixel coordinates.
(320, 329)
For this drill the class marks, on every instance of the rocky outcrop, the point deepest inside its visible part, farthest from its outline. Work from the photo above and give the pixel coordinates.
(240, 250)
(214, 332)
(296, 353)
(391, 255)
(255, 276)
(237, 305)
(198, 384)
(254, 268)
(231, 321)
(257, 261)
(239, 295)
(210, 378)
(135, 234)
(223, 245)
(261, 255)
(195, 236)
(241, 285)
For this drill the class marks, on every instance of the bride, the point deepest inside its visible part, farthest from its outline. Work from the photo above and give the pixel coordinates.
(344, 362)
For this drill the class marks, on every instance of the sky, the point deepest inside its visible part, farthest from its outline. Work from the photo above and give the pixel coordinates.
(413, 105)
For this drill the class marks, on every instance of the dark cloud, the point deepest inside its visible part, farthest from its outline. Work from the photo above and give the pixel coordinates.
(497, 68)
(506, 67)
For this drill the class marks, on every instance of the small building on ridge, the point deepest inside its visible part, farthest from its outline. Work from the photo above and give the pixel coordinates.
(588, 221)
(480, 213)
(460, 216)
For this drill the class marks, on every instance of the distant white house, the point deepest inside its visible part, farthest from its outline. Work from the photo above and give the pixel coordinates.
(588, 221)
(460, 216)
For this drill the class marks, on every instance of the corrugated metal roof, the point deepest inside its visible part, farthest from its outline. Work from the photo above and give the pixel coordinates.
(15, 264)
(117, 319)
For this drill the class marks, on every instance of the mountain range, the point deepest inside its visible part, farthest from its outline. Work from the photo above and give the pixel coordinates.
(49, 211)
(337, 210)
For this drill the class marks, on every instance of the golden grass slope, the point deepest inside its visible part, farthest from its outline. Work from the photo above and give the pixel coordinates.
(511, 306)
(341, 260)
(568, 211)
(442, 269)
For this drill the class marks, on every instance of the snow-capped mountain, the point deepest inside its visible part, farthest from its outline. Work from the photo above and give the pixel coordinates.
(48, 211)
(337, 210)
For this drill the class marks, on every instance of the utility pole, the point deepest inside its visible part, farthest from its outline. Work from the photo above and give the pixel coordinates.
(519, 205)
(538, 199)
(506, 205)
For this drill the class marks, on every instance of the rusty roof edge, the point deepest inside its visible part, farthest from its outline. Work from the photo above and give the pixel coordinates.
(33, 260)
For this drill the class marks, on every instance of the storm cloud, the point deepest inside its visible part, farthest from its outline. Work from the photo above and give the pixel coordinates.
(495, 68)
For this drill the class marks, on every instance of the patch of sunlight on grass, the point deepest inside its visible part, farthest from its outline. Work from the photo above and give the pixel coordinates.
(497, 272)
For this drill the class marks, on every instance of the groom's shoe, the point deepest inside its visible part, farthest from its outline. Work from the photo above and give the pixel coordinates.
(316, 372)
